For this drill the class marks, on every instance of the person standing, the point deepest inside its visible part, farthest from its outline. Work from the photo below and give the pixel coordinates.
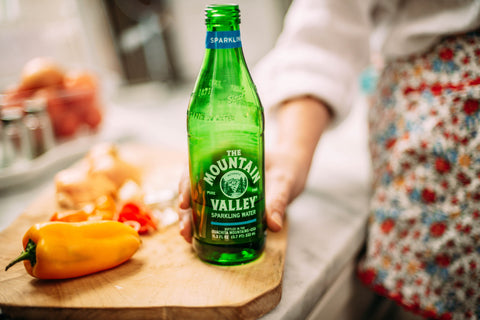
(423, 243)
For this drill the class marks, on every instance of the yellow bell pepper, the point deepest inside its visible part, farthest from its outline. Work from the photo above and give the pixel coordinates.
(60, 250)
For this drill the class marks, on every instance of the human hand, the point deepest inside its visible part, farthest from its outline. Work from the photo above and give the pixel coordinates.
(285, 179)
(301, 123)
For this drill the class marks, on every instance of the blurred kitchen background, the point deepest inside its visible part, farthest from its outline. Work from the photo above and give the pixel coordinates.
(146, 55)
(126, 42)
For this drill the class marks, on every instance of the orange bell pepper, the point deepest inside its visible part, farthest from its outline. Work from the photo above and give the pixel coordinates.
(105, 208)
(60, 250)
(70, 216)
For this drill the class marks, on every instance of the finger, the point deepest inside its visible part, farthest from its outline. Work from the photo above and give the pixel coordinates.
(186, 224)
(184, 190)
(275, 213)
(277, 198)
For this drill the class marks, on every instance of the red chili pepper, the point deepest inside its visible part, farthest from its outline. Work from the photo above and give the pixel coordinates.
(132, 212)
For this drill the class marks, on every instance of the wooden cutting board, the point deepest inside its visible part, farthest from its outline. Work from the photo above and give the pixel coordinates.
(163, 280)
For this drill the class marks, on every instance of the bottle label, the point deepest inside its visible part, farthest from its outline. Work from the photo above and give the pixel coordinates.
(232, 203)
(223, 39)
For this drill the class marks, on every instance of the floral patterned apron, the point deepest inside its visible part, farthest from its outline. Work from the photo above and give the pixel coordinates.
(423, 245)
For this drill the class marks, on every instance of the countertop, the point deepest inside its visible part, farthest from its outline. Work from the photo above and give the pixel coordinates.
(326, 223)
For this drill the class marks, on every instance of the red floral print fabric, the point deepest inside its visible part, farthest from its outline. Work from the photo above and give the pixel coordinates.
(423, 247)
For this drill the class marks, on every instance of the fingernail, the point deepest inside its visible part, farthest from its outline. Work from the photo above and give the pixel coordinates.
(277, 218)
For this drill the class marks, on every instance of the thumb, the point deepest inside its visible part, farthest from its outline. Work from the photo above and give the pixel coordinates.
(277, 199)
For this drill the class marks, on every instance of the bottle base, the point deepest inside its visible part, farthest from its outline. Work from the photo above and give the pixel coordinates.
(228, 255)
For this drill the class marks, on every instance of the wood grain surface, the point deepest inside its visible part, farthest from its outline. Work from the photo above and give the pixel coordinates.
(163, 280)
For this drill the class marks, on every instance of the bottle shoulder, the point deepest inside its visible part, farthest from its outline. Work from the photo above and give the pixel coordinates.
(217, 88)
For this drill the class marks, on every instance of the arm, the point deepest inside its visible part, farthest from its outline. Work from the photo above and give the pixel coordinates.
(320, 52)
(323, 46)
(301, 122)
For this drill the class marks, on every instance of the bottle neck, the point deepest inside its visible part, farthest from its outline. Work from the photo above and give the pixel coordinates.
(223, 26)
(223, 39)
(224, 61)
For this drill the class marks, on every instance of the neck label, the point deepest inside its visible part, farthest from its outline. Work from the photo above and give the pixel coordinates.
(223, 39)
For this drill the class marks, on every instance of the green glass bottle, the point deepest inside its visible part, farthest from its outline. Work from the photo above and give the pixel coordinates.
(225, 127)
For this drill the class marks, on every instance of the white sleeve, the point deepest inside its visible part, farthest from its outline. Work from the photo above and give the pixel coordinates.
(321, 50)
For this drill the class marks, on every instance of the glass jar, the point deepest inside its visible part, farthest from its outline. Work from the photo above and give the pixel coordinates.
(16, 150)
(38, 126)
